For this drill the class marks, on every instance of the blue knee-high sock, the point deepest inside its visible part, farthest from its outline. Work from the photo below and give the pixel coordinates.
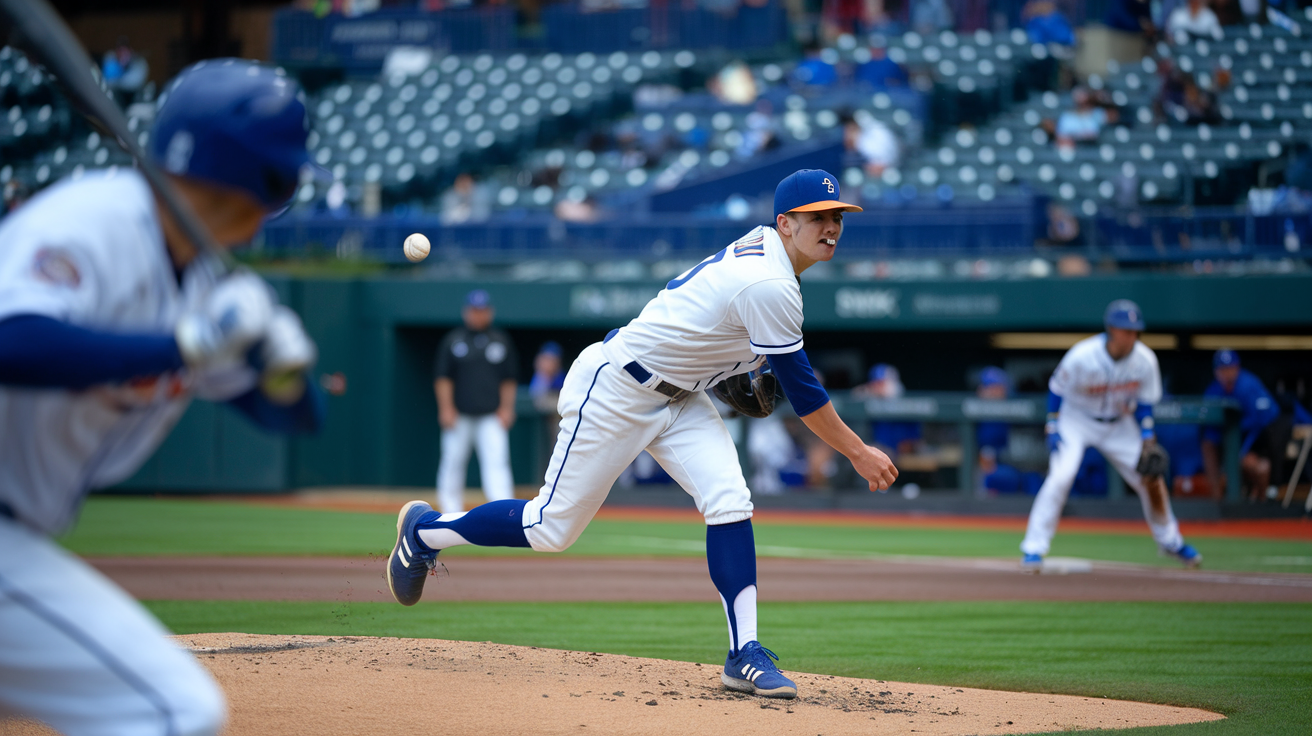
(731, 556)
(495, 524)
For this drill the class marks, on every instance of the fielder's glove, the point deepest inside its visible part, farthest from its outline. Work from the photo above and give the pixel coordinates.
(1154, 461)
(750, 394)
(233, 317)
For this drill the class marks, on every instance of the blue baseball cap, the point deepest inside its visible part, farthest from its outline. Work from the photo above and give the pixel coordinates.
(1224, 358)
(1124, 314)
(881, 371)
(993, 376)
(550, 348)
(809, 190)
(478, 298)
(235, 123)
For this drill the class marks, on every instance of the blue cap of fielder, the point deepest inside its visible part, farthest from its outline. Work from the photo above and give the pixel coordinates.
(1224, 358)
(809, 190)
(1124, 314)
(478, 298)
(993, 376)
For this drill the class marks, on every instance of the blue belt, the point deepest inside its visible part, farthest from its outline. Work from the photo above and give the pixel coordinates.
(642, 375)
(1106, 420)
(7, 512)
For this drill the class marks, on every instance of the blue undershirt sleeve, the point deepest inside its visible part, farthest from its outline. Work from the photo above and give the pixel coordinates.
(42, 352)
(797, 377)
(304, 417)
(1054, 403)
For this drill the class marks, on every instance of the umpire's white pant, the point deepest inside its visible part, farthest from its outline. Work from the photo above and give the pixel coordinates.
(79, 654)
(493, 443)
(1120, 443)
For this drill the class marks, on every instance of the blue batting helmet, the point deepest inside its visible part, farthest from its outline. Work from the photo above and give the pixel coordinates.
(235, 123)
(1124, 314)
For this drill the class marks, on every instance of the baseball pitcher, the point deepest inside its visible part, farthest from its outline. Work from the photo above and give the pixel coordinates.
(644, 388)
(110, 322)
(1102, 395)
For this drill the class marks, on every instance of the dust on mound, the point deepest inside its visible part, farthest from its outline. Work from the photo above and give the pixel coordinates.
(366, 685)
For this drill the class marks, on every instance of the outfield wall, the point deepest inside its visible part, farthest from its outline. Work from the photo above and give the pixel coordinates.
(380, 332)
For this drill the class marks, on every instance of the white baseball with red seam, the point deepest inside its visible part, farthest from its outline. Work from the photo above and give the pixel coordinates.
(416, 247)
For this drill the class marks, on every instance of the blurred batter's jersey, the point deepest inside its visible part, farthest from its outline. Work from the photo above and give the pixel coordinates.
(720, 318)
(1090, 382)
(90, 253)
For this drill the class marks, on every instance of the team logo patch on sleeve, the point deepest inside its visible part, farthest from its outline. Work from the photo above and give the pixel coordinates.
(56, 266)
(752, 244)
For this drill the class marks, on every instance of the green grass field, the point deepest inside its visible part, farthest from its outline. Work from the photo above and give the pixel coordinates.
(1252, 662)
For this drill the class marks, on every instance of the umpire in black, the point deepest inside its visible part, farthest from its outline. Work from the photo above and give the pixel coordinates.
(474, 378)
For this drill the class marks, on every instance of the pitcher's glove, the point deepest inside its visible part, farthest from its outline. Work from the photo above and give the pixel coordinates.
(750, 394)
(1154, 461)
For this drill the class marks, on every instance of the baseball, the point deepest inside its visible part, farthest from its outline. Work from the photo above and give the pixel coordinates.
(416, 247)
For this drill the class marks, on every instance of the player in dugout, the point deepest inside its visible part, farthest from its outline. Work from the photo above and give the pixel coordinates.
(110, 322)
(1266, 429)
(717, 325)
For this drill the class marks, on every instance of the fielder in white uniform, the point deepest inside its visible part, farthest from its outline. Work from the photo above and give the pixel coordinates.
(1102, 395)
(643, 388)
(109, 323)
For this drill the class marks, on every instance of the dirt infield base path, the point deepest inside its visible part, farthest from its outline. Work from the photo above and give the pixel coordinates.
(284, 685)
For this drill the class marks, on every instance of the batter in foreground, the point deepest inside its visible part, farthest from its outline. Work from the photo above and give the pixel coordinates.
(110, 322)
(1102, 396)
(643, 388)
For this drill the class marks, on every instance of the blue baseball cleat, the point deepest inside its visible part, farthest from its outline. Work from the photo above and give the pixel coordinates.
(1187, 555)
(1031, 563)
(752, 670)
(410, 561)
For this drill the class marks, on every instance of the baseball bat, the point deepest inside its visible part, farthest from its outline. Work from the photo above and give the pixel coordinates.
(37, 29)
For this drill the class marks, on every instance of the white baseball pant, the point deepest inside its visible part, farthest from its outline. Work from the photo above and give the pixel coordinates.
(1121, 444)
(493, 444)
(77, 653)
(607, 419)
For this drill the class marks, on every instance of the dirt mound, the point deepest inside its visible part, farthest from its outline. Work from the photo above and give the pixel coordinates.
(366, 685)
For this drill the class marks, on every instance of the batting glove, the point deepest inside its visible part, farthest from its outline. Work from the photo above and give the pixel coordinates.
(233, 317)
(284, 356)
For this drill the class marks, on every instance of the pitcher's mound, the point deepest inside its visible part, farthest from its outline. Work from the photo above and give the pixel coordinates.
(366, 685)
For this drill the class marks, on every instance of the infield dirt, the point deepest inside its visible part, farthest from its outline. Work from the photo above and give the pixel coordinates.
(329, 686)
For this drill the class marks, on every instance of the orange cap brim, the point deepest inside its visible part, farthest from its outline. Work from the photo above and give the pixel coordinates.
(828, 204)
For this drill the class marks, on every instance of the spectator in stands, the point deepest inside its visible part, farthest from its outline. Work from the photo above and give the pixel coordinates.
(1132, 16)
(1085, 122)
(928, 17)
(815, 70)
(466, 202)
(1045, 24)
(15, 194)
(1230, 12)
(1194, 20)
(879, 71)
(870, 142)
(758, 131)
(896, 438)
(734, 84)
(1265, 429)
(577, 210)
(125, 71)
(1181, 99)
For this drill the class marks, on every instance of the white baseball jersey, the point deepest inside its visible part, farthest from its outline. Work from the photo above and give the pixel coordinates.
(107, 269)
(1099, 396)
(721, 317)
(1090, 382)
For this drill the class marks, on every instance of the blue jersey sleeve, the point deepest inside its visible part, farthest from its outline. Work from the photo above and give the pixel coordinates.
(43, 352)
(304, 417)
(798, 379)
